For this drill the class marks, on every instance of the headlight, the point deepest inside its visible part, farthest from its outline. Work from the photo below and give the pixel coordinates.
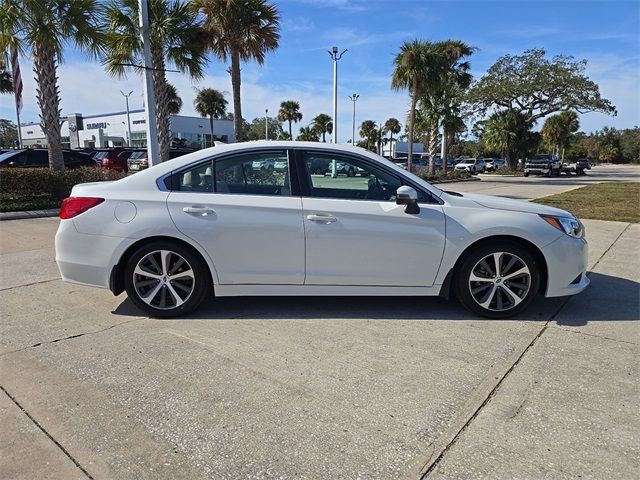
(569, 225)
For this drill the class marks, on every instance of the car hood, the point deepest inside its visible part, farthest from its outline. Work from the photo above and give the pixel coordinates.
(501, 203)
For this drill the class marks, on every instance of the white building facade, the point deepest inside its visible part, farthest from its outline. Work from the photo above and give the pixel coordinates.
(111, 130)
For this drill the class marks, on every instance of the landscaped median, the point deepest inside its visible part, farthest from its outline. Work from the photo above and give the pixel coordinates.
(603, 201)
(444, 177)
(25, 189)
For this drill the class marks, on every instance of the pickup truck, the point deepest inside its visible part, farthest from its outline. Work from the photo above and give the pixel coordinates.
(543, 164)
(578, 167)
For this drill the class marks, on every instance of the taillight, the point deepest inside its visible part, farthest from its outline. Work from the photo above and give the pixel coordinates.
(74, 206)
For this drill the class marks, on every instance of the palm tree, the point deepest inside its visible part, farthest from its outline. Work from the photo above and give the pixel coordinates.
(175, 37)
(289, 112)
(323, 124)
(174, 102)
(211, 103)
(309, 134)
(42, 29)
(499, 133)
(392, 125)
(417, 68)
(557, 129)
(6, 82)
(369, 133)
(241, 30)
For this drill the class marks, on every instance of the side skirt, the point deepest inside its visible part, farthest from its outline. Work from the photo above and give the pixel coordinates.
(322, 290)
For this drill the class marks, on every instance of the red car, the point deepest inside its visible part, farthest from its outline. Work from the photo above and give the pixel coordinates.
(111, 159)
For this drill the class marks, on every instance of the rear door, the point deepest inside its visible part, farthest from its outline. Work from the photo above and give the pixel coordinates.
(356, 234)
(249, 220)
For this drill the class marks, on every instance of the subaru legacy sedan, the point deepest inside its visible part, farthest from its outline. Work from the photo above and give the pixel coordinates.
(209, 224)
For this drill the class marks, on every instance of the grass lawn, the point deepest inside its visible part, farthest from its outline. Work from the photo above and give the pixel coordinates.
(603, 201)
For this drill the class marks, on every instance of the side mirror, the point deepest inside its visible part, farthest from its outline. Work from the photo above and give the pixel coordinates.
(406, 195)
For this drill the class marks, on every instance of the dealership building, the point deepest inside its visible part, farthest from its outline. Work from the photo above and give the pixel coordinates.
(111, 130)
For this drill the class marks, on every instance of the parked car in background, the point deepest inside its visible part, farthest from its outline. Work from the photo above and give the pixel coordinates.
(110, 158)
(207, 224)
(471, 165)
(543, 164)
(39, 158)
(578, 167)
(137, 159)
(494, 164)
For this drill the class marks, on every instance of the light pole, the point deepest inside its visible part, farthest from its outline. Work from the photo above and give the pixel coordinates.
(126, 97)
(335, 57)
(354, 98)
(266, 124)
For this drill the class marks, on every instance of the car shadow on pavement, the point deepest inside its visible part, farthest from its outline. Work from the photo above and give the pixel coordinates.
(607, 298)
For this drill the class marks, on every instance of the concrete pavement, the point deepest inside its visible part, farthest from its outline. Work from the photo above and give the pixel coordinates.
(310, 388)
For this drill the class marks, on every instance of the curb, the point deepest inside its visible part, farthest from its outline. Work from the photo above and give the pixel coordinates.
(52, 212)
(472, 179)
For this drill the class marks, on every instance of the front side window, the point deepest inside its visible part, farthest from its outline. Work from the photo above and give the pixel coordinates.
(264, 173)
(345, 177)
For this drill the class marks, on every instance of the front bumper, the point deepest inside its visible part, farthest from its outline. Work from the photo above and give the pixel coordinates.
(537, 170)
(567, 260)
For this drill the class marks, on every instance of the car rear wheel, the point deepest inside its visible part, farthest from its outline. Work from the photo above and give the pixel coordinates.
(497, 281)
(166, 280)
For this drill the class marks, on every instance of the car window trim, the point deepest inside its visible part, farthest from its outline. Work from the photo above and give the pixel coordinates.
(305, 177)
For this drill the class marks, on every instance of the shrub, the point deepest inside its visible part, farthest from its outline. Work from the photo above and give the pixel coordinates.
(37, 188)
(506, 171)
(440, 176)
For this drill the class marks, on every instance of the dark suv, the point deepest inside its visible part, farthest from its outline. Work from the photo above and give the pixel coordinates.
(39, 158)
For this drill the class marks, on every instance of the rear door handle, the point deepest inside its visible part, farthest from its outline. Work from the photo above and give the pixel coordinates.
(322, 218)
(202, 211)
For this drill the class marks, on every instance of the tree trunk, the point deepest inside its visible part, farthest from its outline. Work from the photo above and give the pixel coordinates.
(290, 133)
(433, 143)
(162, 104)
(44, 66)
(237, 107)
(412, 118)
(213, 142)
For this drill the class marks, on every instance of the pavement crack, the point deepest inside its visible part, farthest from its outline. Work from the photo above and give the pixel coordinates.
(29, 284)
(49, 436)
(71, 337)
(578, 332)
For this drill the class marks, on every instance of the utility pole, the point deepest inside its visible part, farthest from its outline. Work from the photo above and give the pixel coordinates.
(126, 96)
(335, 57)
(354, 99)
(153, 153)
(266, 124)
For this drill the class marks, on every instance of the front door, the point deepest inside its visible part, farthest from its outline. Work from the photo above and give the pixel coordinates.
(357, 235)
(244, 215)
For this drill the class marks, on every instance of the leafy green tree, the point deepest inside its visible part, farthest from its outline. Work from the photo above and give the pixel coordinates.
(308, 134)
(323, 124)
(175, 37)
(289, 112)
(608, 153)
(240, 30)
(417, 68)
(8, 133)
(535, 87)
(510, 134)
(42, 29)
(211, 103)
(256, 129)
(369, 133)
(557, 130)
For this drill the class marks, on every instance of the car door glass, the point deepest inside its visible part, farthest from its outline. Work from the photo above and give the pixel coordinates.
(195, 179)
(14, 159)
(254, 174)
(354, 178)
(37, 159)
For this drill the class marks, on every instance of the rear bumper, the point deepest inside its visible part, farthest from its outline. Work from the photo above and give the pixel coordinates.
(567, 259)
(86, 259)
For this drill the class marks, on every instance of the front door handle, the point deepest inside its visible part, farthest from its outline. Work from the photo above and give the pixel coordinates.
(322, 218)
(202, 211)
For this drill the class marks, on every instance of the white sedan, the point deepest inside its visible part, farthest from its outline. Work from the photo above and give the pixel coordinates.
(208, 223)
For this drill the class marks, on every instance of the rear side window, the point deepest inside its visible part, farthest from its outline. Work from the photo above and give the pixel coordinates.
(195, 179)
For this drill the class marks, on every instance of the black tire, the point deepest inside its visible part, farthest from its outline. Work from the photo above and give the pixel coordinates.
(463, 283)
(200, 286)
(526, 174)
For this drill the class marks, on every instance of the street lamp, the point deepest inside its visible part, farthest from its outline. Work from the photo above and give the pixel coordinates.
(126, 97)
(335, 57)
(266, 124)
(354, 98)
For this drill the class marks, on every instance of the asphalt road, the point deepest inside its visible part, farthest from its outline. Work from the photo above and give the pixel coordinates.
(315, 387)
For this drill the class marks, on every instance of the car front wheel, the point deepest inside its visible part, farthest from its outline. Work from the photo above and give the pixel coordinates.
(166, 280)
(497, 281)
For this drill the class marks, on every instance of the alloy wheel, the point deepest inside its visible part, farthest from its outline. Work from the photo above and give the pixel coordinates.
(500, 281)
(163, 279)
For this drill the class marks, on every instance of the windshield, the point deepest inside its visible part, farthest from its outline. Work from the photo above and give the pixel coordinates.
(9, 154)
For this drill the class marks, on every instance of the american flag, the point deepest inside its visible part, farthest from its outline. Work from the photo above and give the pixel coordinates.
(17, 78)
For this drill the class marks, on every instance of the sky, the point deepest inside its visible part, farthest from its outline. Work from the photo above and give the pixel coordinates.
(605, 33)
